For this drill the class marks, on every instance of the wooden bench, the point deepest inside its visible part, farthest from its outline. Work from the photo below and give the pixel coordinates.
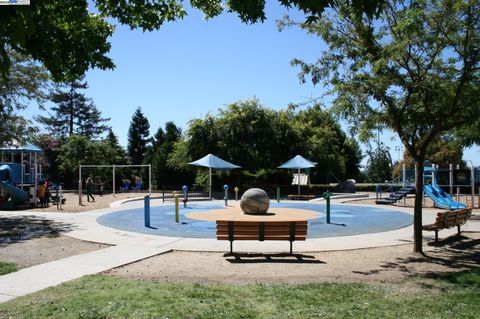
(261, 230)
(449, 219)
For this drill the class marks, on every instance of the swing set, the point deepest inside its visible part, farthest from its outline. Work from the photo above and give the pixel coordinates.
(113, 166)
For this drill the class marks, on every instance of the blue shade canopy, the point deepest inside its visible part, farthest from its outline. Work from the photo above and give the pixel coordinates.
(298, 162)
(17, 148)
(213, 161)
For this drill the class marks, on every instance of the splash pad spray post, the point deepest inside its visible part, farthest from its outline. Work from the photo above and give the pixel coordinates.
(177, 208)
(225, 187)
(185, 195)
(147, 211)
(236, 189)
(327, 195)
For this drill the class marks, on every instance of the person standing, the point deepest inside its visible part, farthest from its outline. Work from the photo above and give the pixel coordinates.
(90, 189)
(41, 193)
(46, 199)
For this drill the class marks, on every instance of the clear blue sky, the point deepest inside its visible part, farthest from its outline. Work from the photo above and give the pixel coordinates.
(192, 67)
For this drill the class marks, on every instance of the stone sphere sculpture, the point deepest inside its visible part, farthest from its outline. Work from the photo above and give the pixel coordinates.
(255, 201)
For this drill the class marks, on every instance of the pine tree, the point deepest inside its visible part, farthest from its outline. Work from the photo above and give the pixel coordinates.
(120, 156)
(138, 137)
(163, 146)
(73, 113)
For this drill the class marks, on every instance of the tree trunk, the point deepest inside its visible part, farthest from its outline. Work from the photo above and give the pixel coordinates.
(417, 211)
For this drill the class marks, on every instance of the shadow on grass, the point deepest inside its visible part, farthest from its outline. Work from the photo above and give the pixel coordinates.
(466, 278)
(237, 258)
(453, 254)
(17, 228)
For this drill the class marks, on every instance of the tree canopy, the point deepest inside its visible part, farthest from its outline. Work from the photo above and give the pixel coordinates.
(162, 146)
(415, 69)
(259, 139)
(27, 82)
(379, 165)
(138, 137)
(74, 113)
(71, 36)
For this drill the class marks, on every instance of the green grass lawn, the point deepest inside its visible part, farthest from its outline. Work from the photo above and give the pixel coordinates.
(6, 267)
(98, 296)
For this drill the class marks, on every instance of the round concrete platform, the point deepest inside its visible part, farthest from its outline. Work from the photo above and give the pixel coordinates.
(234, 213)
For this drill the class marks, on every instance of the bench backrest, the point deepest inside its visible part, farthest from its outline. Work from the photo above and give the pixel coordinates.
(453, 218)
(255, 230)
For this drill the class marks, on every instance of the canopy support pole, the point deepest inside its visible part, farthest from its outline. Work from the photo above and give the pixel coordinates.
(298, 181)
(210, 183)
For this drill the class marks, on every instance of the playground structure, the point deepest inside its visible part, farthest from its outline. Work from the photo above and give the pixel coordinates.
(439, 197)
(125, 185)
(19, 175)
(435, 180)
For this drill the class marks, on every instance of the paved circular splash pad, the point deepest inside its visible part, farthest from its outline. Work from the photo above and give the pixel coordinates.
(344, 220)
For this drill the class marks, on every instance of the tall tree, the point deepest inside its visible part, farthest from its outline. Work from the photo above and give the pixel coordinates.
(326, 143)
(28, 83)
(120, 155)
(163, 144)
(379, 165)
(74, 113)
(415, 70)
(70, 36)
(138, 137)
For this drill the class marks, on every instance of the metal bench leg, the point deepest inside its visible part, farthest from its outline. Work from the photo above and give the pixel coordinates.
(291, 246)
(231, 247)
(436, 235)
(458, 226)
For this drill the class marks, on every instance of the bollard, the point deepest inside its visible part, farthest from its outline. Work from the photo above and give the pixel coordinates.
(146, 204)
(278, 194)
(177, 208)
(185, 195)
(225, 187)
(327, 195)
(236, 189)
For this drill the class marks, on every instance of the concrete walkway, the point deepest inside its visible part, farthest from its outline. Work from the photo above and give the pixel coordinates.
(129, 247)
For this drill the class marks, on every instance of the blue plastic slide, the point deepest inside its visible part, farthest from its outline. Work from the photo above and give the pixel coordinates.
(442, 199)
(16, 195)
(12, 196)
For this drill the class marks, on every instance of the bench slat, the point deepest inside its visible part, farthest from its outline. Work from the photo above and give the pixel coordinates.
(261, 230)
(251, 233)
(253, 237)
(268, 223)
(267, 228)
(449, 219)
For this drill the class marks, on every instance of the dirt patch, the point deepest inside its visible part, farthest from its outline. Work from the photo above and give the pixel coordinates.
(72, 203)
(30, 240)
(386, 264)
(35, 251)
